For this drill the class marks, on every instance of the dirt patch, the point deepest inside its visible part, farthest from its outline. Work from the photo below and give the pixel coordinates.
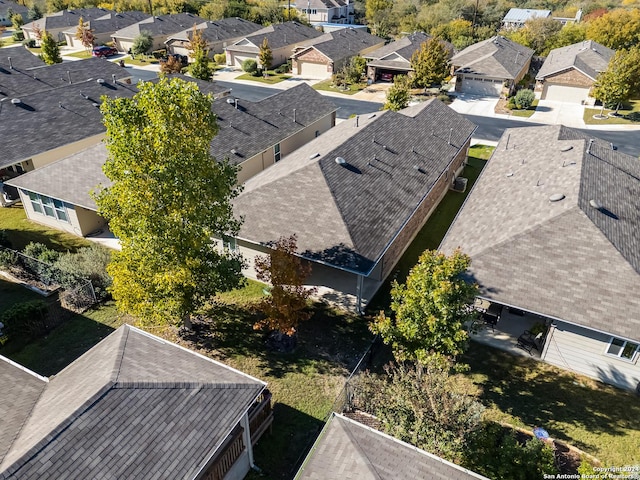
(501, 107)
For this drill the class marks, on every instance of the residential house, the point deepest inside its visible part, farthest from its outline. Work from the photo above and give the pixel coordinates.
(53, 111)
(104, 27)
(551, 227)
(492, 67)
(16, 56)
(395, 57)
(349, 449)
(355, 197)
(159, 27)
(253, 135)
(282, 39)
(8, 8)
(57, 23)
(217, 33)
(133, 406)
(326, 11)
(517, 17)
(332, 51)
(568, 73)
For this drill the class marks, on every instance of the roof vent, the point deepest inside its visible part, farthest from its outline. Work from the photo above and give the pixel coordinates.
(230, 101)
(595, 204)
(16, 101)
(100, 81)
(340, 161)
(315, 155)
(556, 197)
(566, 148)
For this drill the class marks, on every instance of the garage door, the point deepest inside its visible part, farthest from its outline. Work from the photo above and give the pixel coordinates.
(238, 59)
(562, 93)
(313, 70)
(479, 86)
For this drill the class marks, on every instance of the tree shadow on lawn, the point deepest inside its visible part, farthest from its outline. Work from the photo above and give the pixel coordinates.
(542, 395)
(328, 342)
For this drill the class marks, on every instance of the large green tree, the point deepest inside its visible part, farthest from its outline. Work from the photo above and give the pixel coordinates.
(621, 80)
(50, 50)
(199, 52)
(617, 29)
(142, 43)
(429, 310)
(168, 198)
(430, 63)
(398, 94)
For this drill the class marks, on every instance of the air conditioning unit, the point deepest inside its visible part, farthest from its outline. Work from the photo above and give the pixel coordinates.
(459, 184)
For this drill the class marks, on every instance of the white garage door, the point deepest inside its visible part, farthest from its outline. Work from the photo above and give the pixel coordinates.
(561, 93)
(238, 59)
(313, 70)
(479, 86)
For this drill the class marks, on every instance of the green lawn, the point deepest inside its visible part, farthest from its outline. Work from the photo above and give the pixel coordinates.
(525, 113)
(629, 115)
(436, 227)
(271, 79)
(80, 54)
(12, 293)
(21, 231)
(599, 419)
(141, 61)
(327, 86)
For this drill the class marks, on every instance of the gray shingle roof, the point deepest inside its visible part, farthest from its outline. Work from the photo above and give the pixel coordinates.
(68, 18)
(564, 259)
(20, 58)
(345, 215)
(160, 25)
(347, 449)
(496, 57)
(219, 30)
(57, 113)
(521, 15)
(6, 5)
(344, 43)
(113, 22)
(20, 392)
(589, 57)
(278, 35)
(134, 406)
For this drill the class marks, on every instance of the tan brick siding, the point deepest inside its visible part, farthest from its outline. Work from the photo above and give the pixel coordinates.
(571, 77)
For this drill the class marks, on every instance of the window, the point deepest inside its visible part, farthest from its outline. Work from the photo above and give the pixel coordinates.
(49, 206)
(622, 348)
(276, 152)
(229, 243)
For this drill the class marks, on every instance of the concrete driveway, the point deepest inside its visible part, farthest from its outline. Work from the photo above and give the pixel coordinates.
(475, 105)
(554, 113)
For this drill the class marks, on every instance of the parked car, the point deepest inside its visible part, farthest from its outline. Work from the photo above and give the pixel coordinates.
(104, 51)
(386, 77)
(183, 59)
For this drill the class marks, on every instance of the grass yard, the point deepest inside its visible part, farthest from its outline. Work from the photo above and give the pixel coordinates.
(327, 86)
(525, 113)
(270, 80)
(22, 231)
(599, 419)
(12, 293)
(436, 227)
(629, 115)
(80, 54)
(141, 61)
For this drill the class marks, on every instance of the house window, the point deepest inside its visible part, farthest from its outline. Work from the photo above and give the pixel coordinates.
(622, 348)
(49, 207)
(276, 152)
(229, 243)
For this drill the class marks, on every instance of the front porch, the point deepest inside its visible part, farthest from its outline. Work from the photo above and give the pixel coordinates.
(510, 325)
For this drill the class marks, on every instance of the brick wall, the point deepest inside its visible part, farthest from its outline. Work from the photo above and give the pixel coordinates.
(570, 77)
(421, 215)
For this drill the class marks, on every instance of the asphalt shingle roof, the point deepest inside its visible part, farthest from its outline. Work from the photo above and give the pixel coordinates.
(6, 5)
(496, 57)
(563, 259)
(347, 449)
(57, 113)
(278, 35)
(134, 406)
(589, 57)
(20, 58)
(345, 215)
(113, 22)
(344, 43)
(219, 30)
(160, 25)
(68, 18)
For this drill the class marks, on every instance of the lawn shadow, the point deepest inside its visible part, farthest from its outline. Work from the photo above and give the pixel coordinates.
(541, 395)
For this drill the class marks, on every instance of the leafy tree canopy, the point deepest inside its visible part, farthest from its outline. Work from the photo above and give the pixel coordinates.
(398, 94)
(621, 80)
(199, 51)
(430, 63)
(265, 55)
(430, 309)
(617, 29)
(50, 50)
(142, 43)
(168, 198)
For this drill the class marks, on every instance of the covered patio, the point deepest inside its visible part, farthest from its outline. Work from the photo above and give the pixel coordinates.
(501, 326)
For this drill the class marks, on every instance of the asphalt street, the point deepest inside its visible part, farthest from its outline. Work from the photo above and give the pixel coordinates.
(489, 128)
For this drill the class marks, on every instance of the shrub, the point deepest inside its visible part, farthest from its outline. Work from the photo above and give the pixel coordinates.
(250, 66)
(444, 98)
(284, 68)
(18, 36)
(220, 58)
(89, 262)
(43, 267)
(8, 258)
(158, 54)
(41, 252)
(524, 99)
(26, 319)
(29, 42)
